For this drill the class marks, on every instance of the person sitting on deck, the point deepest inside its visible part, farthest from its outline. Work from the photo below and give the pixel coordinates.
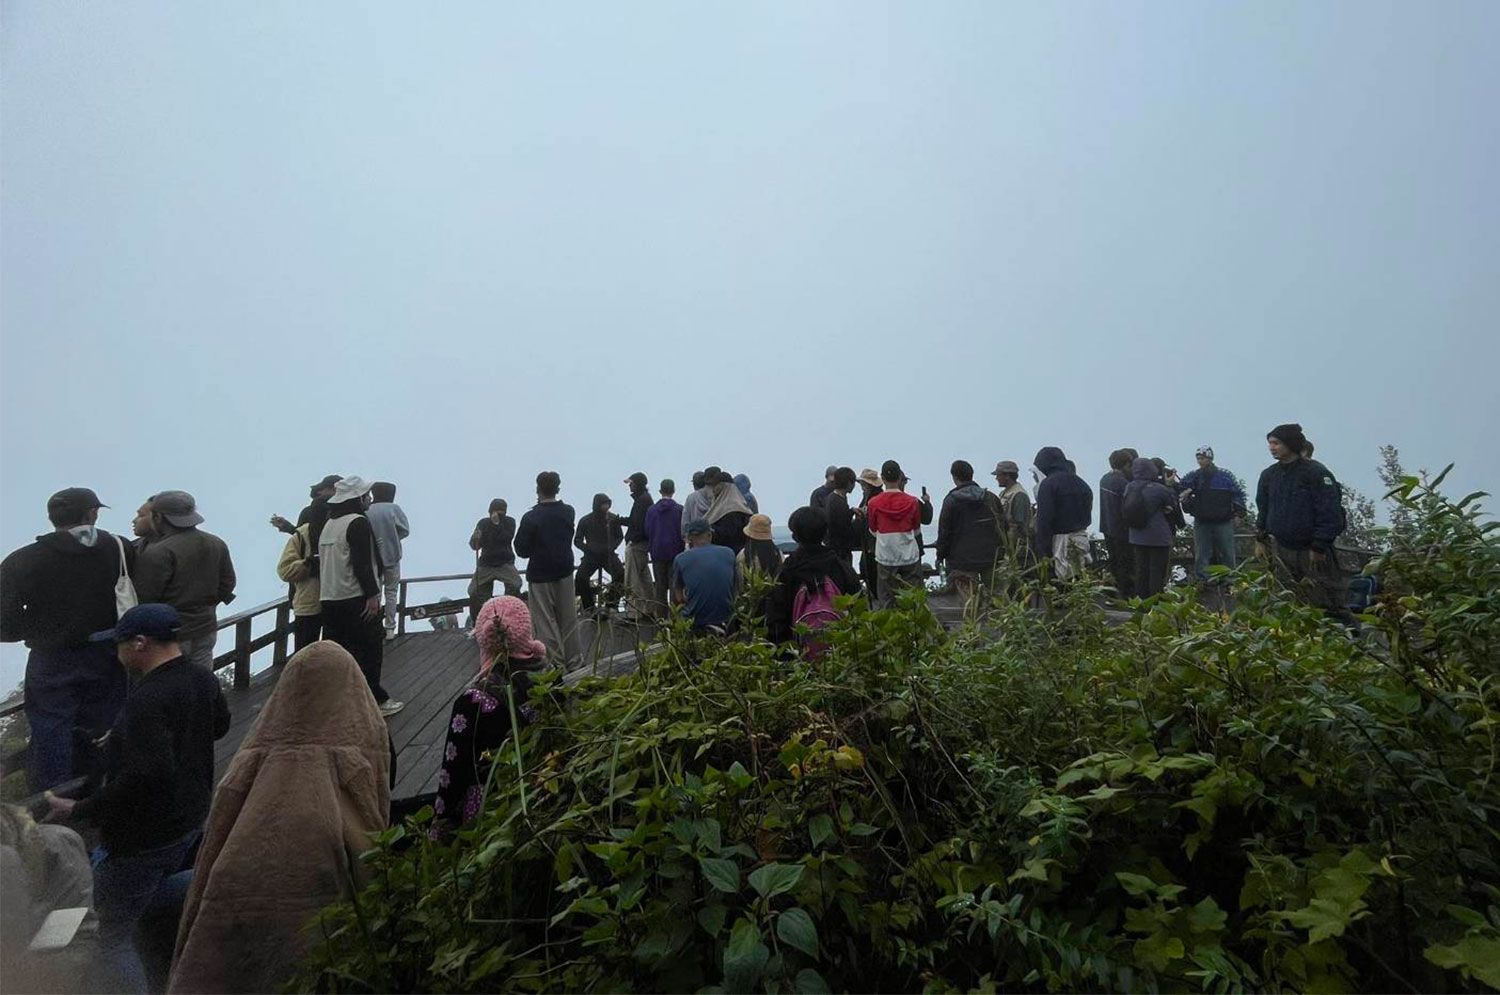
(481, 719)
(491, 539)
(703, 580)
(599, 534)
(158, 780)
(806, 568)
(290, 818)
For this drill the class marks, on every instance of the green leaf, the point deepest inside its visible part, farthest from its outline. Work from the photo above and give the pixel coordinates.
(1324, 918)
(810, 982)
(711, 918)
(1207, 917)
(723, 874)
(745, 957)
(1476, 956)
(863, 829)
(1159, 950)
(739, 776)
(1034, 869)
(1135, 884)
(820, 828)
(795, 928)
(774, 879)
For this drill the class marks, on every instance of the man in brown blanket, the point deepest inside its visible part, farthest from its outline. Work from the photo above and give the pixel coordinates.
(290, 818)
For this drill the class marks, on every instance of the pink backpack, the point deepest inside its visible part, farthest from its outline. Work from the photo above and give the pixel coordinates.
(815, 610)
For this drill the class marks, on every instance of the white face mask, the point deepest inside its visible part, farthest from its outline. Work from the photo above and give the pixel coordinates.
(86, 534)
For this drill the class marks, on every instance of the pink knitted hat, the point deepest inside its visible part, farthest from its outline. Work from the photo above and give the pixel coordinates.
(504, 627)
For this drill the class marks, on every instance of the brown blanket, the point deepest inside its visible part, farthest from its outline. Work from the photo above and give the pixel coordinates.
(289, 819)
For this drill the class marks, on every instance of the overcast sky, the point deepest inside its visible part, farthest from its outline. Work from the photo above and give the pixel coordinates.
(248, 244)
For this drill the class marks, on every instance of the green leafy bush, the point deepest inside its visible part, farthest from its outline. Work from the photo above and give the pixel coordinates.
(1034, 801)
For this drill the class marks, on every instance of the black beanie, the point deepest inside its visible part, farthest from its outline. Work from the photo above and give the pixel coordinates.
(1290, 435)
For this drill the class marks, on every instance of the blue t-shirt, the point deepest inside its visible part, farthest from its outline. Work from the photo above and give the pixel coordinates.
(706, 574)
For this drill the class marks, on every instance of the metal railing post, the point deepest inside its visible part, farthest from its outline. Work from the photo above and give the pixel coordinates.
(401, 609)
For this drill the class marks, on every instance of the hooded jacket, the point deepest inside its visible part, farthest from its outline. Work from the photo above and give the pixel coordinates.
(599, 532)
(1300, 504)
(1161, 504)
(635, 525)
(57, 592)
(295, 567)
(742, 484)
(1064, 503)
(291, 817)
(543, 539)
(1111, 489)
(1217, 496)
(968, 537)
(664, 530)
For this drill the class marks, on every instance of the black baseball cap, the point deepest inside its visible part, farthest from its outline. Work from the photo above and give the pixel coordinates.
(638, 478)
(155, 621)
(74, 499)
(327, 482)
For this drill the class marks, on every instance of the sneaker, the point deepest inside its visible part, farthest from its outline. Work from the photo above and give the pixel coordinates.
(391, 707)
(390, 634)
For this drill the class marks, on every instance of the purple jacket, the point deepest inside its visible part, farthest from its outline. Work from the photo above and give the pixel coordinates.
(664, 530)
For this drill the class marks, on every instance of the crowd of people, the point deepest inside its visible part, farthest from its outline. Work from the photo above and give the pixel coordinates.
(121, 639)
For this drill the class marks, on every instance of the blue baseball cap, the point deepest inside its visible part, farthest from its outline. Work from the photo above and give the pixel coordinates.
(159, 622)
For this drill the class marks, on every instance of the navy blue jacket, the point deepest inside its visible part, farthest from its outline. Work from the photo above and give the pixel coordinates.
(1111, 489)
(1300, 505)
(1064, 503)
(545, 538)
(1216, 495)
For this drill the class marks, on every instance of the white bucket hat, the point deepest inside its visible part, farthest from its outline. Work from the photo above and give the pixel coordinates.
(348, 489)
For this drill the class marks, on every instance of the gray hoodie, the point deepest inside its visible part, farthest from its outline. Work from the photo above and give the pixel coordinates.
(1160, 501)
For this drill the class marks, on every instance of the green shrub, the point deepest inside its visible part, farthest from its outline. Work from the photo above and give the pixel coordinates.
(1038, 802)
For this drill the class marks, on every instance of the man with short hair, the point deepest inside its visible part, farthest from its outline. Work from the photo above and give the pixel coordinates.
(54, 594)
(189, 569)
(896, 519)
(545, 538)
(968, 539)
(1112, 523)
(390, 526)
(349, 585)
(820, 494)
(491, 539)
(845, 530)
(638, 549)
(1215, 499)
(664, 537)
(703, 580)
(158, 782)
(1299, 515)
(1064, 511)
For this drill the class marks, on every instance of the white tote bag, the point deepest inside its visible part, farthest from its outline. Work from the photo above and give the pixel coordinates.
(125, 598)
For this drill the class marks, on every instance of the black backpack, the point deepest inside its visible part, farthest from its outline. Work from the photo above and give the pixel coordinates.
(1133, 508)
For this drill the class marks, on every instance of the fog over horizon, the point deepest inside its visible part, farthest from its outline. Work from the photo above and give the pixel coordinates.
(246, 245)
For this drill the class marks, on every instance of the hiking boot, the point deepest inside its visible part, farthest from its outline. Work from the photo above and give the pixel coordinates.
(391, 707)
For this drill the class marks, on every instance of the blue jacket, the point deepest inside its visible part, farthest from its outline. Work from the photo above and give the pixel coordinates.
(1064, 503)
(545, 539)
(1111, 489)
(1300, 505)
(1217, 497)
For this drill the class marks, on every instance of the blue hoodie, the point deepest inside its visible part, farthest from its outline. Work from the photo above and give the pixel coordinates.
(1064, 503)
(1160, 501)
(742, 483)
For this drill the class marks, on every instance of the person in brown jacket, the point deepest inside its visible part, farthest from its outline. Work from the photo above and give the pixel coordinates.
(292, 815)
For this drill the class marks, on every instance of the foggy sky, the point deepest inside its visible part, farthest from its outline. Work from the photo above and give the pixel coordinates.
(243, 245)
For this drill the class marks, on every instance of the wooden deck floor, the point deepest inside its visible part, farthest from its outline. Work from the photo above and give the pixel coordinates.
(426, 670)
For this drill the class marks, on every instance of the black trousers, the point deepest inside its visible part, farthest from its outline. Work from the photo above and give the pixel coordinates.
(306, 629)
(1150, 569)
(364, 638)
(582, 581)
(1122, 565)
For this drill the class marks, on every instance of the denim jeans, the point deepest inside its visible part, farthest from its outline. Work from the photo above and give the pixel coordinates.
(125, 889)
(1212, 541)
(80, 687)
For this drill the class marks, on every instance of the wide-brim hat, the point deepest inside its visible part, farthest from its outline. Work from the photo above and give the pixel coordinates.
(759, 527)
(350, 488)
(1007, 466)
(869, 476)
